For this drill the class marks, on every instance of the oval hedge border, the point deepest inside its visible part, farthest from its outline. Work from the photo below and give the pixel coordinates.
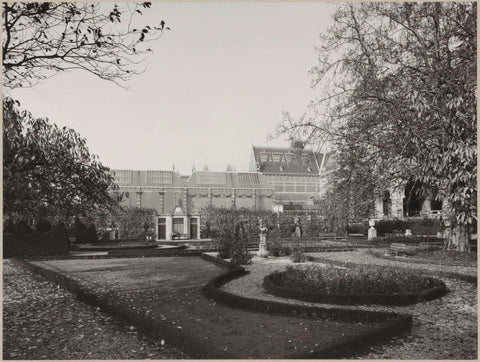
(394, 323)
(437, 291)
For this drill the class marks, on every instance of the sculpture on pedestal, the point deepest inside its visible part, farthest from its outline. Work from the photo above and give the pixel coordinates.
(262, 247)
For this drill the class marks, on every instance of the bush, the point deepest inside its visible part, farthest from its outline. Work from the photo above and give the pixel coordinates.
(43, 226)
(359, 280)
(54, 242)
(233, 243)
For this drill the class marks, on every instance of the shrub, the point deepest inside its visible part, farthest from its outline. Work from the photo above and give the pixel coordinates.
(43, 226)
(358, 228)
(359, 280)
(54, 242)
(233, 243)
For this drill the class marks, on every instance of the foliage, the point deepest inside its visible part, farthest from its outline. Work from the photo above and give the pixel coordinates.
(397, 85)
(131, 222)
(42, 39)
(53, 242)
(233, 243)
(239, 252)
(358, 280)
(49, 171)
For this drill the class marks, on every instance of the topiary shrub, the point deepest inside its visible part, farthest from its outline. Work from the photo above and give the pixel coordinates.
(239, 252)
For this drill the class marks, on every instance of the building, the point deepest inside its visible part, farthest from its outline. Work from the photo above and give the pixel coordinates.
(407, 201)
(179, 200)
(296, 174)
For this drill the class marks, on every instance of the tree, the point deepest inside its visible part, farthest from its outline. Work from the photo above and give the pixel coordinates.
(397, 85)
(42, 39)
(48, 172)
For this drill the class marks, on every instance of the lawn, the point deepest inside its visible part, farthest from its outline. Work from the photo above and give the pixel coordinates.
(165, 294)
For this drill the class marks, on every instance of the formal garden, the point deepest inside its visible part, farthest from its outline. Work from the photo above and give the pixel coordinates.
(85, 278)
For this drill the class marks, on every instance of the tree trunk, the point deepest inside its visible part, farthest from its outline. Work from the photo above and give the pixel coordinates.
(459, 239)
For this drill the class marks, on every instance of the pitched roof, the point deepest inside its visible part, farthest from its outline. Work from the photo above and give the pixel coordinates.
(228, 180)
(286, 160)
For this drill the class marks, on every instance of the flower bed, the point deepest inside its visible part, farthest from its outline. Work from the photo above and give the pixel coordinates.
(360, 285)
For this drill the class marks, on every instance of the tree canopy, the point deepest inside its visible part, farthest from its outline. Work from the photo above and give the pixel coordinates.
(397, 84)
(49, 171)
(42, 39)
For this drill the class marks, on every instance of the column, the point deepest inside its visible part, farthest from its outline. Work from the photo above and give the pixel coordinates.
(198, 228)
(168, 227)
(186, 226)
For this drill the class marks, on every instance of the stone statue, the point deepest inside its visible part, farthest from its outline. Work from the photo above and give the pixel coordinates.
(298, 227)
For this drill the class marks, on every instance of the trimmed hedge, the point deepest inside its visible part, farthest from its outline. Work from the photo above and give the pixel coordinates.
(54, 242)
(423, 226)
(271, 284)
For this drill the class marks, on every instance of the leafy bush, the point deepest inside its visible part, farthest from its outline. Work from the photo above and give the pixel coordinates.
(358, 228)
(359, 280)
(233, 243)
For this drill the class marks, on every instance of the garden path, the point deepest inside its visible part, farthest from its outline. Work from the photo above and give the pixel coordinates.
(444, 328)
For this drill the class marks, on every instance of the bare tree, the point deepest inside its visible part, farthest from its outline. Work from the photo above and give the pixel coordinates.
(42, 39)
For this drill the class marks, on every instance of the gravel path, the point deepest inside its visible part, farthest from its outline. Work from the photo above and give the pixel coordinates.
(43, 321)
(444, 328)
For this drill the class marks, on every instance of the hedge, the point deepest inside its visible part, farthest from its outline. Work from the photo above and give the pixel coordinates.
(54, 242)
(270, 284)
(423, 226)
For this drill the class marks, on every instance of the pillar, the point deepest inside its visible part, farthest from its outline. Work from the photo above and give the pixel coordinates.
(168, 227)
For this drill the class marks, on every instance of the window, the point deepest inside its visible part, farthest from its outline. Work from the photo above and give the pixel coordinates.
(263, 156)
(247, 179)
(300, 186)
(290, 159)
(277, 158)
(289, 186)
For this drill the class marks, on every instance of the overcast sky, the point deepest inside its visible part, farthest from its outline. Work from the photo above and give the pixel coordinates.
(216, 84)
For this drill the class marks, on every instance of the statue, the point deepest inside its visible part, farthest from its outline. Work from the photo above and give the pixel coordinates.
(298, 227)
(262, 247)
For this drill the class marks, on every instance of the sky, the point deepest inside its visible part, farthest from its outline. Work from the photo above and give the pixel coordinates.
(216, 84)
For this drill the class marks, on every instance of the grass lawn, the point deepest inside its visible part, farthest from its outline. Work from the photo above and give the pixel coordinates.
(166, 292)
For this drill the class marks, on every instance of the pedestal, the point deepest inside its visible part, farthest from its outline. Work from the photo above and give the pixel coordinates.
(372, 233)
(262, 247)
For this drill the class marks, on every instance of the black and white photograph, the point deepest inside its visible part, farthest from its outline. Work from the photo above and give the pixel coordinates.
(239, 180)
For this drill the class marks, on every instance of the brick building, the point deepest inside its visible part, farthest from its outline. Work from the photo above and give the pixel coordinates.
(296, 174)
(179, 200)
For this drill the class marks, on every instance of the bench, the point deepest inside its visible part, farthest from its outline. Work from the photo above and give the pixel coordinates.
(403, 249)
(180, 237)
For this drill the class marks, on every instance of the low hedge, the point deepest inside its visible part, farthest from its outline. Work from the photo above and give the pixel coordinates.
(420, 226)
(364, 285)
(54, 242)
